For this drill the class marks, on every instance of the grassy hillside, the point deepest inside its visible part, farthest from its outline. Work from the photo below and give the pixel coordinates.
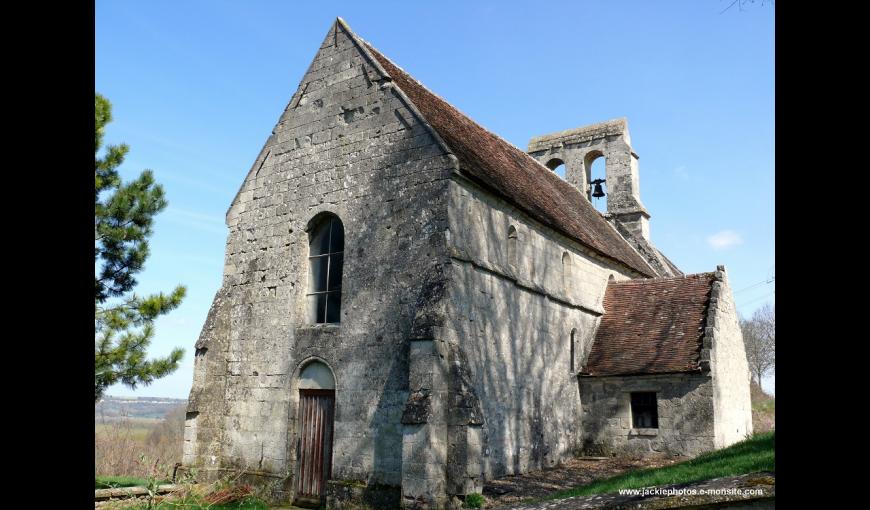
(755, 454)
(763, 410)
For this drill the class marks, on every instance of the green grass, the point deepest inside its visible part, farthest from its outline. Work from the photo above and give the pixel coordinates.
(754, 454)
(767, 406)
(474, 500)
(246, 504)
(111, 482)
(194, 503)
(138, 432)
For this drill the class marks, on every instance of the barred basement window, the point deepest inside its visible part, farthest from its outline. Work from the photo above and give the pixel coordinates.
(644, 410)
(326, 262)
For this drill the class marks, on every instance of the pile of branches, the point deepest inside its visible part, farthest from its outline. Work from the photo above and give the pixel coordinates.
(229, 494)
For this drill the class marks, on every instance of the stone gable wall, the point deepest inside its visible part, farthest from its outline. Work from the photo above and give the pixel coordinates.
(723, 346)
(346, 144)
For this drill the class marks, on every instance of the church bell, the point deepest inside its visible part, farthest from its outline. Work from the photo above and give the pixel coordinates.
(598, 192)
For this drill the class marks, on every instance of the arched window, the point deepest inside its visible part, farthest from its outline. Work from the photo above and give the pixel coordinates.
(557, 166)
(512, 247)
(326, 261)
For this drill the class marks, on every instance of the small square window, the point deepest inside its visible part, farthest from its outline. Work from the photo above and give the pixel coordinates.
(644, 410)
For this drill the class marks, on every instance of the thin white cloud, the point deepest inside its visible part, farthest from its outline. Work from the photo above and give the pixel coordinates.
(195, 220)
(195, 215)
(724, 239)
(198, 184)
(681, 172)
(210, 261)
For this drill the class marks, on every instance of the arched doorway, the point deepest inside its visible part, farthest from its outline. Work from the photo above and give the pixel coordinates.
(316, 416)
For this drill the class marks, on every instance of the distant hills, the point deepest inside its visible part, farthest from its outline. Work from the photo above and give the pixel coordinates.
(151, 408)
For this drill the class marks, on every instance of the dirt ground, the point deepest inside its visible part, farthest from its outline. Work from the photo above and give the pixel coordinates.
(573, 473)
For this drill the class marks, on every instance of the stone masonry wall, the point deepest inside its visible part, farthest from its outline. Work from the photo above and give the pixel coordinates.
(723, 344)
(510, 314)
(203, 426)
(685, 414)
(347, 144)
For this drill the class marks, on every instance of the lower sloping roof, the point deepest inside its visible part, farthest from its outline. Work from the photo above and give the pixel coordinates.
(651, 326)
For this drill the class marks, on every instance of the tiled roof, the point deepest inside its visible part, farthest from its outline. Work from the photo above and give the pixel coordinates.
(651, 326)
(514, 175)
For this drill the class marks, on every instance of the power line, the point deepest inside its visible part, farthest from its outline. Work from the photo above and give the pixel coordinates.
(758, 298)
(769, 280)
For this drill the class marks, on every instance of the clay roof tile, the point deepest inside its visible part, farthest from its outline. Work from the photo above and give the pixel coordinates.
(651, 326)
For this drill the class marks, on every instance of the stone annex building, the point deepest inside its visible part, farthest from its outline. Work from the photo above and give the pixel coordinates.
(411, 305)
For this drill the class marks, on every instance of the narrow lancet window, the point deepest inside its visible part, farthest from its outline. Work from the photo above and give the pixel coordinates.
(567, 274)
(512, 247)
(573, 351)
(326, 263)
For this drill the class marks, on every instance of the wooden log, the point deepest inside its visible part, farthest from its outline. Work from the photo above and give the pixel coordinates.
(132, 492)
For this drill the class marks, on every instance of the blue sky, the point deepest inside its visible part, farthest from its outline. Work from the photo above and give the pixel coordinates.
(197, 87)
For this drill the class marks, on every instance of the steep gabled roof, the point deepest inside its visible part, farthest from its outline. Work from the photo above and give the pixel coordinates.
(651, 326)
(511, 173)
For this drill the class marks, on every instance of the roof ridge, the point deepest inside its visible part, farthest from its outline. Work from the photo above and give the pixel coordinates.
(664, 278)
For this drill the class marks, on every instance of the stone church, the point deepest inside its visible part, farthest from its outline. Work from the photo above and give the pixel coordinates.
(411, 305)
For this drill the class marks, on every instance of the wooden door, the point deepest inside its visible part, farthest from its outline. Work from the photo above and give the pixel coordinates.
(316, 411)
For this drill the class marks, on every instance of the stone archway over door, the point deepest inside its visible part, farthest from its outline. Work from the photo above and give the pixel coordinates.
(316, 417)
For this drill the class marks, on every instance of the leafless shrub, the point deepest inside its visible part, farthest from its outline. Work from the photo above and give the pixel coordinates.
(763, 409)
(116, 449)
(759, 337)
(166, 439)
(119, 444)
